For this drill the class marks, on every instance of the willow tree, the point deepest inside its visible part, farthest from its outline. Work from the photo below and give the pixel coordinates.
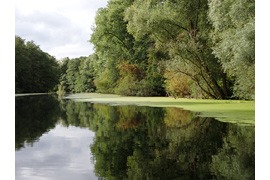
(181, 29)
(112, 43)
(117, 49)
(234, 42)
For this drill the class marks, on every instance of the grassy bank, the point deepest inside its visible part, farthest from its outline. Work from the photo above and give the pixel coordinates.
(234, 111)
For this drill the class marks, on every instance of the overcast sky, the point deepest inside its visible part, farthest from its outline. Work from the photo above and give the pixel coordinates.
(61, 28)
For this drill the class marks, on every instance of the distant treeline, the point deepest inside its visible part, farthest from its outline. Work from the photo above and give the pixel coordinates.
(188, 48)
(35, 70)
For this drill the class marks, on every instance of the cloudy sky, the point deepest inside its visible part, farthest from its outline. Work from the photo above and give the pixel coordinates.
(61, 28)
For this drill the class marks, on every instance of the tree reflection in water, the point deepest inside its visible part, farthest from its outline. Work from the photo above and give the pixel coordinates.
(164, 143)
(34, 115)
(133, 142)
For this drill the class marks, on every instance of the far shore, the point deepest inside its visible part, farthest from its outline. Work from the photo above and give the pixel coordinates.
(30, 94)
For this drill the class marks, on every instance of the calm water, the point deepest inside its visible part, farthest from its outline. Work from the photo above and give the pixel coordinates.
(75, 140)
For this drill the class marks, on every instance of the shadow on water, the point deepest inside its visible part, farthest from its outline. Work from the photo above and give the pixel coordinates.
(134, 142)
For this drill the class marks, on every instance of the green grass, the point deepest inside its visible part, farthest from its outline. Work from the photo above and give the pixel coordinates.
(233, 111)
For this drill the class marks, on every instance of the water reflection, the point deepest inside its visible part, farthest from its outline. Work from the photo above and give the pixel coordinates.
(62, 153)
(156, 143)
(34, 115)
(46, 146)
(164, 143)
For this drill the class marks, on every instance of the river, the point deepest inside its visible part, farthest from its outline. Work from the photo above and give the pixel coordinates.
(63, 139)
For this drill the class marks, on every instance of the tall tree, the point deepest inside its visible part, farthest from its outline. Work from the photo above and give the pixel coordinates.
(112, 42)
(35, 70)
(22, 66)
(116, 49)
(181, 29)
(234, 42)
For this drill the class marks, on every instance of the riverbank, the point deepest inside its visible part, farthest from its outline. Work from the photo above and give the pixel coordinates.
(234, 111)
(31, 94)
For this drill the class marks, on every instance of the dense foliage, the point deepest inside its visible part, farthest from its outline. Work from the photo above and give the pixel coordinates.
(234, 42)
(35, 70)
(188, 48)
(128, 65)
(77, 75)
(181, 48)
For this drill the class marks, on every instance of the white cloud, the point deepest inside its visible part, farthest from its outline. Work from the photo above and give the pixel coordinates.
(62, 28)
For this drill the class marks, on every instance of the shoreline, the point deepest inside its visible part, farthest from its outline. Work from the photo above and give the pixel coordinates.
(234, 111)
(30, 94)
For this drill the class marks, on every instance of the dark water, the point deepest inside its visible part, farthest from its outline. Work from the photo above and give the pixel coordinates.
(75, 140)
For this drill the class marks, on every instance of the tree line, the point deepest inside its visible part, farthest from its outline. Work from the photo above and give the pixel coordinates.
(35, 70)
(195, 48)
(189, 48)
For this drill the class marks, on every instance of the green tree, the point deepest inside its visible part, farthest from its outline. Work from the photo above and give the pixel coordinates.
(35, 70)
(112, 43)
(181, 29)
(22, 66)
(63, 86)
(77, 75)
(114, 47)
(85, 79)
(234, 42)
(72, 74)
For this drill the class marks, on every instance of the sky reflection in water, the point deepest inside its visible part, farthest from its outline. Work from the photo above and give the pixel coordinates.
(62, 153)
(72, 140)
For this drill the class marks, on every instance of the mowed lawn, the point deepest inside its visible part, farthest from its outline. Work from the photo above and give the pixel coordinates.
(234, 111)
